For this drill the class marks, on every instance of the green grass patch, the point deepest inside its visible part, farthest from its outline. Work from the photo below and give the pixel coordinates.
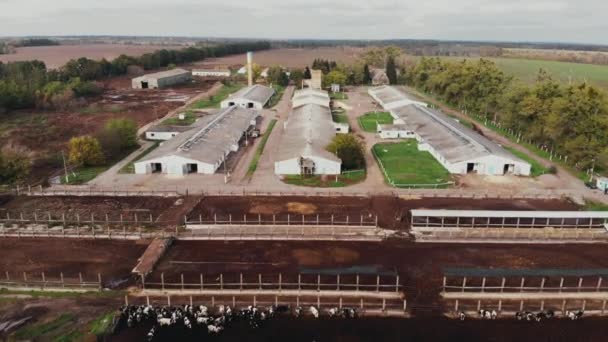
(189, 119)
(345, 179)
(30, 332)
(339, 118)
(537, 168)
(338, 96)
(369, 121)
(101, 325)
(405, 166)
(73, 335)
(84, 174)
(130, 167)
(258, 152)
(278, 94)
(595, 206)
(214, 101)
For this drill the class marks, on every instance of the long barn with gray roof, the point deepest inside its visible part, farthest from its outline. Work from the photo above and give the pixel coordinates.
(203, 148)
(459, 149)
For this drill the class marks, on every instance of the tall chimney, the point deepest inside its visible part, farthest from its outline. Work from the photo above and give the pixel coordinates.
(250, 68)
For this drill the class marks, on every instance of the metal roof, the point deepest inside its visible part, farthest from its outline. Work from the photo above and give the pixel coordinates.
(447, 136)
(508, 213)
(255, 93)
(166, 73)
(309, 129)
(164, 128)
(210, 140)
(388, 97)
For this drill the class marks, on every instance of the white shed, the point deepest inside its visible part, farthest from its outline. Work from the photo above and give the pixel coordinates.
(254, 97)
(161, 79)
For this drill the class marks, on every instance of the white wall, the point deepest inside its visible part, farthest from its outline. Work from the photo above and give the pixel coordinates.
(341, 128)
(322, 166)
(160, 135)
(207, 73)
(174, 165)
(241, 103)
(400, 134)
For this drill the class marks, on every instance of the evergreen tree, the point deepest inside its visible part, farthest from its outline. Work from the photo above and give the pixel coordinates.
(367, 77)
(391, 70)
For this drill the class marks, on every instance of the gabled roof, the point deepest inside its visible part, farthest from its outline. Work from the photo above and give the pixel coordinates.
(455, 142)
(166, 73)
(309, 130)
(210, 138)
(389, 97)
(255, 93)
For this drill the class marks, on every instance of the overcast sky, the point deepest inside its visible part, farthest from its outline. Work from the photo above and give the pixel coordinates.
(583, 21)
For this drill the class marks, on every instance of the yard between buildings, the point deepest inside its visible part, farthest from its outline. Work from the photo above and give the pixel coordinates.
(369, 121)
(537, 168)
(214, 101)
(404, 166)
(345, 179)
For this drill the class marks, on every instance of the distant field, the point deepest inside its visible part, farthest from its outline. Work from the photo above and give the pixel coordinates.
(56, 56)
(527, 69)
(290, 58)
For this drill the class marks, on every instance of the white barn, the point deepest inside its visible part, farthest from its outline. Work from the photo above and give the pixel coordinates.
(161, 79)
(307, 132)
(396, 131)
(459, 149)
(203, 148)
(211, 72)
(389, 97)
(254, 97)
(310, 96)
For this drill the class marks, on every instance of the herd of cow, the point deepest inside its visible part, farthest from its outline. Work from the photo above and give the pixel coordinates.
(525, 315)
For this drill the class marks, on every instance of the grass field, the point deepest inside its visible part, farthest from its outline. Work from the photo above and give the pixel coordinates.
(537, 168)
(527, 69)
(188, 120)
(340, 117)
(214, 101)
(338, 96)
(405, 166)
(369, 121)
(345, 179)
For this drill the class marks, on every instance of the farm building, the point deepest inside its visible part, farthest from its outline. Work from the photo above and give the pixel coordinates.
(163, 132)
(602, 183)
(308, 96)
(397, 131)
(389, 97)
(459, 149)
(161, 79)
(203, 148)
(255, 97)
(211, 72)
(308, 130)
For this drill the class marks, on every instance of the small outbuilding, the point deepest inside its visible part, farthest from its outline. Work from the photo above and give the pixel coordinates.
(163, 132)
(253, 97)
(602, 183)
(161, 79)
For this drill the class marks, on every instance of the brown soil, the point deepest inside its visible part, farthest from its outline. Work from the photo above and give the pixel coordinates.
(113, 259)
(290, 58)
(392, 212)
(165, 211)
(57, 56)
(44, 133)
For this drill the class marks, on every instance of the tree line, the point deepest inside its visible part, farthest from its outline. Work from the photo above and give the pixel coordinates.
(569, 120)
(30, 84)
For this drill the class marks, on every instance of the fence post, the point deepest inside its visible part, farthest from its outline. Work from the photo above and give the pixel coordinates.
(221, 281)
(483, 284)
(99, 280)
(318, 282)
(43, 280)
(599, 284)
(456, 305)
(182, 278)
(202, 284)
(62, 281)
(378, 283)
(444, 282)
(127, 300)
(397, 284)
(260, 280)
(502, 285)
(405, 305)
(542, 284)
(580, 283)
(162, 281)
(357, 282)
(80, 278)
(561, 284)
(143, 282)
(521, 286)
(280, 281)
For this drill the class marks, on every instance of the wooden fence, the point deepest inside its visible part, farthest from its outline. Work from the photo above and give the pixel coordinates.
(49, 282)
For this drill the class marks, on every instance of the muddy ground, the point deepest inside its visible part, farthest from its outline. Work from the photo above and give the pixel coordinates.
(392, 212)
(323, 330)
(420, 266)
(113, 259)
(166, 212)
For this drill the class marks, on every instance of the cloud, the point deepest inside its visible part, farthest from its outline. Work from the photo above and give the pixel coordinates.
(518, 20)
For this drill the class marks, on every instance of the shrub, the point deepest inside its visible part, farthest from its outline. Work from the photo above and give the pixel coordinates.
(85, 151)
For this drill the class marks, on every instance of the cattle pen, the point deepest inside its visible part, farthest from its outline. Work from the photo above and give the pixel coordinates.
(515, 290)
(509, 226)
